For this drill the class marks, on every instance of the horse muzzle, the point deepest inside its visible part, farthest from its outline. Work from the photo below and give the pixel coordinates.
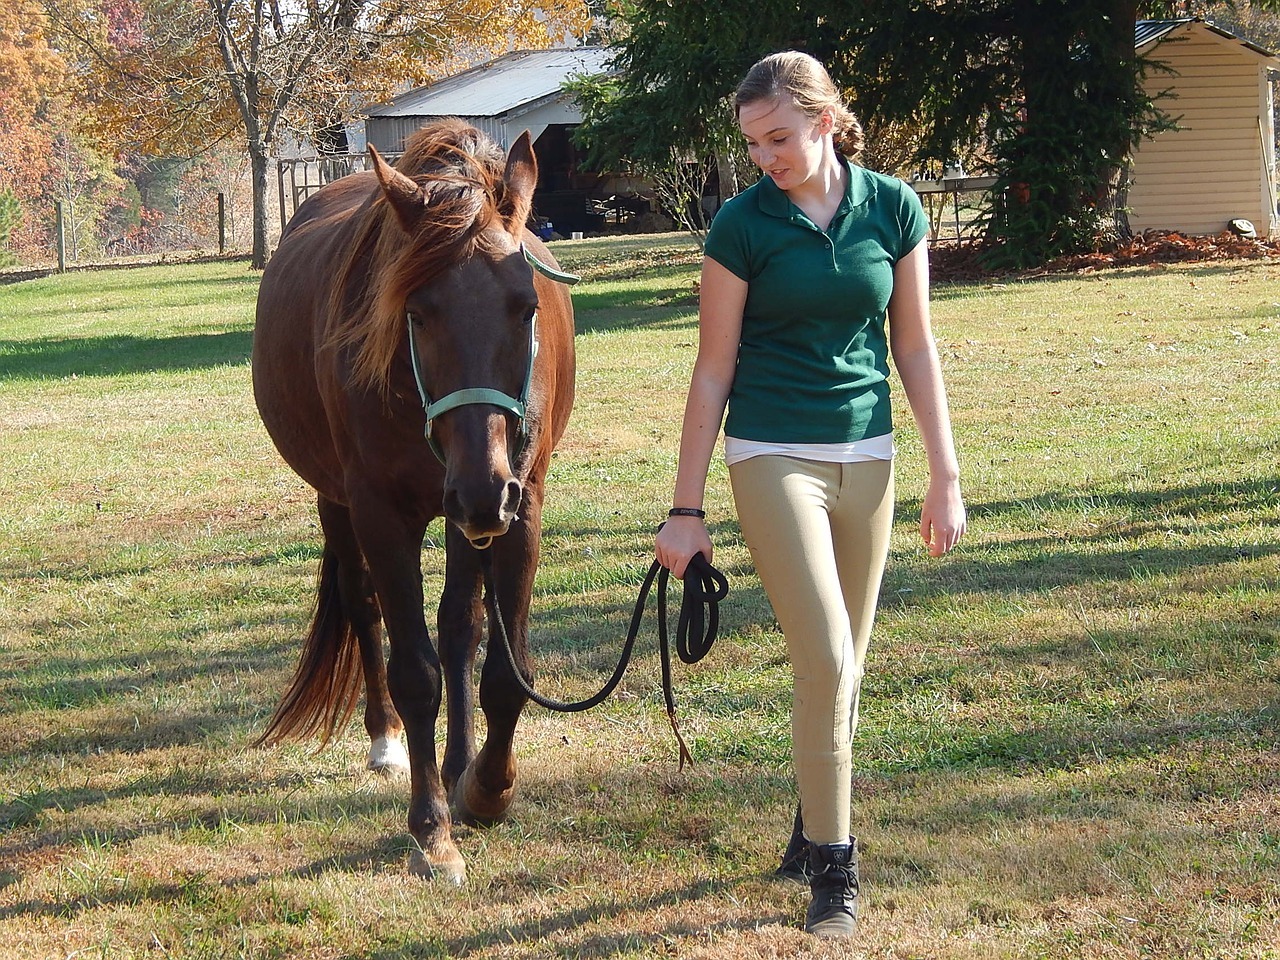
(482, 514)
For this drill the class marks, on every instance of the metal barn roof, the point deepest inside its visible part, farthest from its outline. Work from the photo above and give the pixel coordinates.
(501, 85)
(1147, 31)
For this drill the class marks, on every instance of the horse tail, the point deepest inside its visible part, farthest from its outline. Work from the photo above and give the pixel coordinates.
(326, 685)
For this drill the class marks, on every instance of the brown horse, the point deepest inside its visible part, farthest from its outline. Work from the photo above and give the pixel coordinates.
(418, 273)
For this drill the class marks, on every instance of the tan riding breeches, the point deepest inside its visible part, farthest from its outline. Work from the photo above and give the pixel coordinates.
(819, 536)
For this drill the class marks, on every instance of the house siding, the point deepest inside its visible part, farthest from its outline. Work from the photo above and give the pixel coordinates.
(1215, 168)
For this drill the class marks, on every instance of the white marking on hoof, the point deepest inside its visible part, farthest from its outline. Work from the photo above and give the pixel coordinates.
(388, 755)
(451, 871)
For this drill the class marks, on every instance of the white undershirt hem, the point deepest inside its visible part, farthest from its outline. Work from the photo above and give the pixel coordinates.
(872, 448)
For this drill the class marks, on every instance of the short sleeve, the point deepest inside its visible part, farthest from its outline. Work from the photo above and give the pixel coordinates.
(727, 240)
(912, 221)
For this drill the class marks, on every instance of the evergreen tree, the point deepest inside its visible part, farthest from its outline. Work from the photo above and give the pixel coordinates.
(1048, 95)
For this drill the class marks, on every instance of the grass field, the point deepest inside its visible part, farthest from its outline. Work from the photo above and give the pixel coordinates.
(1069, 745)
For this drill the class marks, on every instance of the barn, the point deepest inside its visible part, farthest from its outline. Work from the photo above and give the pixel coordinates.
(504, 97)
(1219, 165)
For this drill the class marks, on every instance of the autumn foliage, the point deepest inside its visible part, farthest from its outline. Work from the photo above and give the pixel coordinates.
(103, 100)
(30, 76)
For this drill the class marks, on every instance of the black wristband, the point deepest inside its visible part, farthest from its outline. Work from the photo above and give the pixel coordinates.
(687, 512)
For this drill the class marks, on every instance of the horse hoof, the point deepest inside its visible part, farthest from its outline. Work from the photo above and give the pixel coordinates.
(478, 807)
(443, 866)
(388, 756)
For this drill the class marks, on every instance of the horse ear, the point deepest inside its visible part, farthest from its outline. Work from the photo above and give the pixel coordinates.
(521, 177)
(404, 195)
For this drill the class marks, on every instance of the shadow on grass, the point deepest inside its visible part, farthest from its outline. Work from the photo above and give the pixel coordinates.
(210, 801)
(1044, 734)
(1038, 564)
(670, 308)
(118, 355)
(1042, 565)
(654, 942)
(1185, 501)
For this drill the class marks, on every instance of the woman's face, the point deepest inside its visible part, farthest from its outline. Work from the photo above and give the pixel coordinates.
(784, 141)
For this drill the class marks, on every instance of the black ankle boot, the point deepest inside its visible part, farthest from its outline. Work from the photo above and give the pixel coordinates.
(795, 859)
(833, 909)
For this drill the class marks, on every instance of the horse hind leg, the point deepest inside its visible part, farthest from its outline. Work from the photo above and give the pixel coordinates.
(387, 754)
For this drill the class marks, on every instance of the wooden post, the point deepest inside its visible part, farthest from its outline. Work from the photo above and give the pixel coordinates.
(60, 231)
(222, 224)
(284, 217)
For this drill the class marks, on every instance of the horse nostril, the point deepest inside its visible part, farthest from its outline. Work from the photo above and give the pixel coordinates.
(452, 505)
(512, 495)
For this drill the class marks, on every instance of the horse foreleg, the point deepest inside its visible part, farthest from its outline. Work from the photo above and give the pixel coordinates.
(393, 552)
(459, 630)
(381, 722)
(488, 787)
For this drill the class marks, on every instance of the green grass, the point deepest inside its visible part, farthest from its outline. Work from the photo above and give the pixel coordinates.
(1069, 740)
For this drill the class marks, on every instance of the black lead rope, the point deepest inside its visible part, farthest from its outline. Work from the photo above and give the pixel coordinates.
(704, 588)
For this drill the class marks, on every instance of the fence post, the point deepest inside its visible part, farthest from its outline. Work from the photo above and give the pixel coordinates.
(284, 218)
(222, 224)
(60, 232)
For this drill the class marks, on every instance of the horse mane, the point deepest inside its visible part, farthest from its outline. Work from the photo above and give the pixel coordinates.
(460, 171)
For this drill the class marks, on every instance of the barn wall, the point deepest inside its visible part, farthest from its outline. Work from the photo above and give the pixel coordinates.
(388, 134)
(1216, 167)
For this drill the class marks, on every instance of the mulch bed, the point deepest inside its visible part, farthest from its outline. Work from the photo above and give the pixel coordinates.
(962, 262)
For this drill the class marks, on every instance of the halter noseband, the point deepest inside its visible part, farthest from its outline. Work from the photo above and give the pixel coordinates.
(469, 395)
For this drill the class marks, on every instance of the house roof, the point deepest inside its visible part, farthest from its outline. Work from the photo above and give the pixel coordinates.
(1149, 31)
(501, 85)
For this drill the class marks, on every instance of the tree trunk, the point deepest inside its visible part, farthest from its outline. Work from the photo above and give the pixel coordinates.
(1068, 163)
(1118, 87)
(1038, 163)
(258, 164)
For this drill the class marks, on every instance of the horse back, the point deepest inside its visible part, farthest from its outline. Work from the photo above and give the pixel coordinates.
(292, 320)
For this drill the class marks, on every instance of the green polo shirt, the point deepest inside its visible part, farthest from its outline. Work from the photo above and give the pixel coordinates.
(813, 357)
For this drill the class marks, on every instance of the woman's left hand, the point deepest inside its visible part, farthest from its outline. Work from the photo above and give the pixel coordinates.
(942, 517)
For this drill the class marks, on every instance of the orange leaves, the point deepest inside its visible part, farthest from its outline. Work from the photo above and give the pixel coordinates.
(30, 70)
(413, 42)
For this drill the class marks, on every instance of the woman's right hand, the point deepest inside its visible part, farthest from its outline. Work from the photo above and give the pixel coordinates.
(677, 542)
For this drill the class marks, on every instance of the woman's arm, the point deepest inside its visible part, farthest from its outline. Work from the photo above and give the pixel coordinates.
(942, 515)
(721, 301)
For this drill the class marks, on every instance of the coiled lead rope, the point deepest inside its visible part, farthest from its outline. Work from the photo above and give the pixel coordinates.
(696, 629)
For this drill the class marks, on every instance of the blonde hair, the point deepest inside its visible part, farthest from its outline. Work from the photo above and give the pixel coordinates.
(806, 82)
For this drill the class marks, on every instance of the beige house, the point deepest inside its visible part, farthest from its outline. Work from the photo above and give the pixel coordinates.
(1220, 164)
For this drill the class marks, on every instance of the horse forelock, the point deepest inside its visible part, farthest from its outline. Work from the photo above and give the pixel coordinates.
(461, 174)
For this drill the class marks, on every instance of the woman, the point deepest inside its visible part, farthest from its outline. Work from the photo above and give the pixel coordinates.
(811, 278)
